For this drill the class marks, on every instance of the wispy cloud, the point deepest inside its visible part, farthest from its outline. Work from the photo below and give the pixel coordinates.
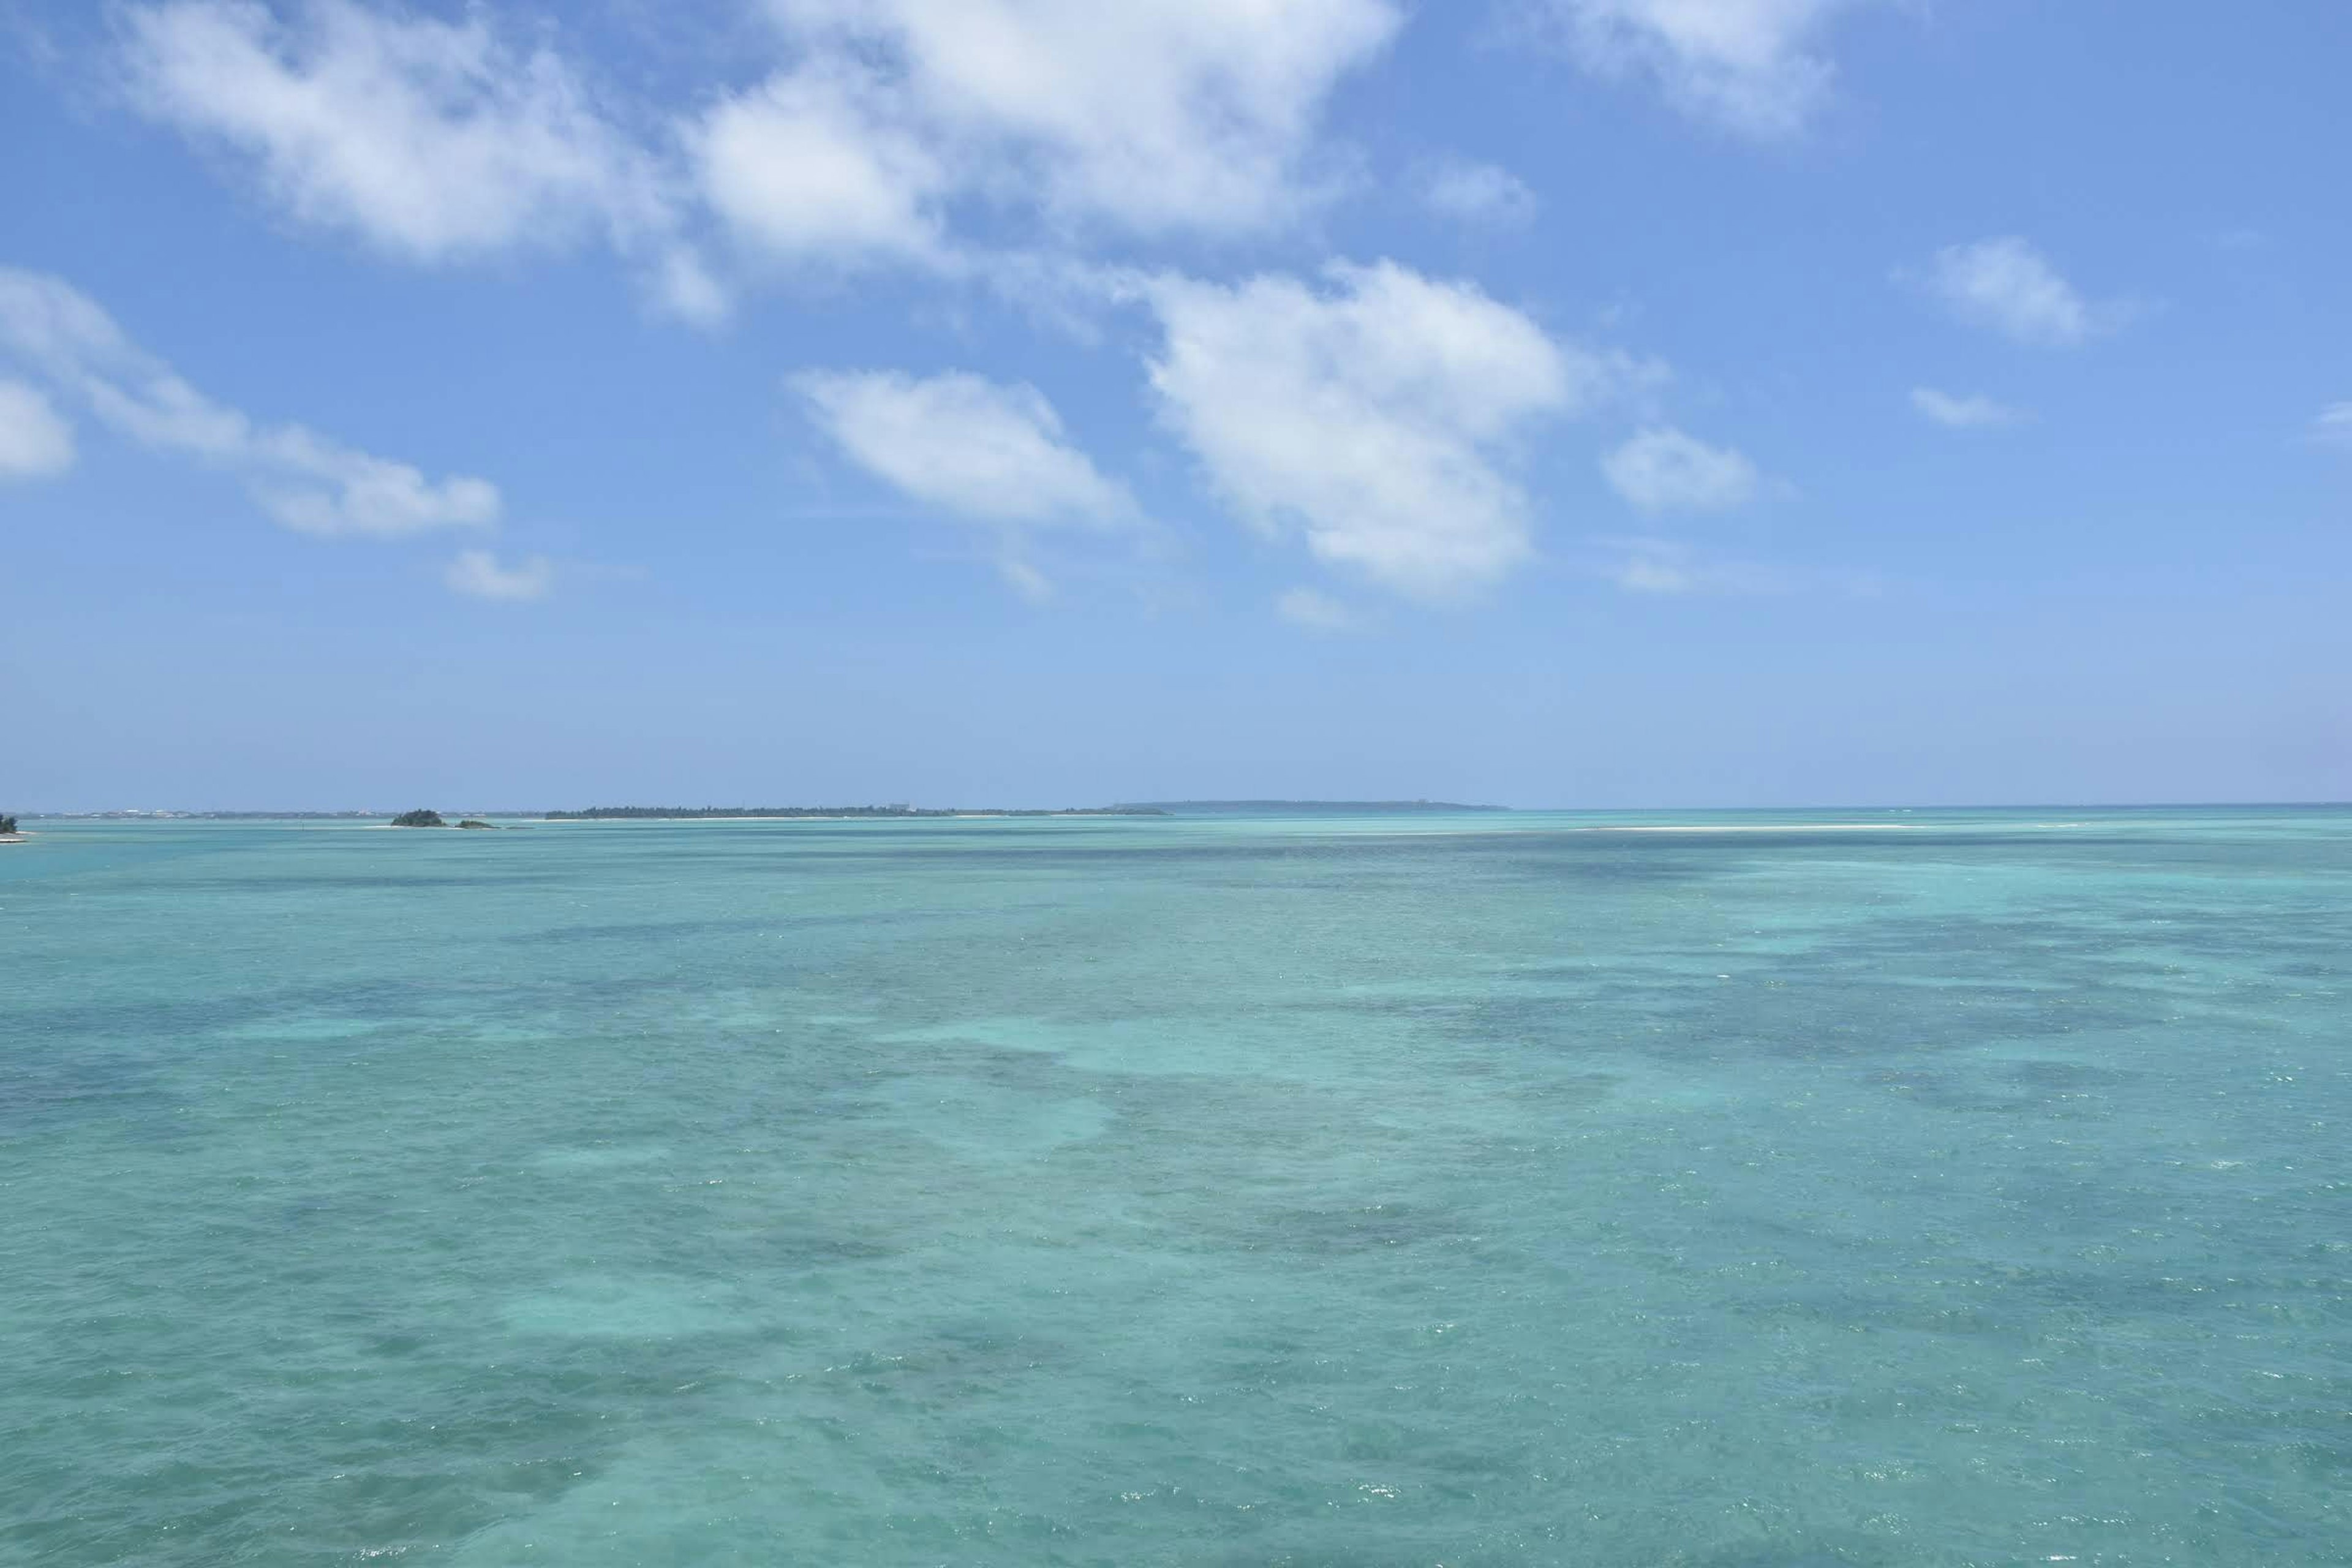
(305, 481)
(430, 141)
(979, 449)
(1376, 414)
(1150, 116)
(1754, 67)
(2007, 286)
(34, 443)
(1474, 193)
(1974, 412)
(1663, 469)
(1316, 610)
(887, 127)
(477, 574)
(1667, 566)
(2332, 426)
(976, 450)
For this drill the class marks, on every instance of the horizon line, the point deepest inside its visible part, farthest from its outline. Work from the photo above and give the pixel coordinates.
(295, 813)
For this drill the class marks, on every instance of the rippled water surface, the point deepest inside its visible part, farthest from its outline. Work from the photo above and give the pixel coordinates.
(1958, 1189)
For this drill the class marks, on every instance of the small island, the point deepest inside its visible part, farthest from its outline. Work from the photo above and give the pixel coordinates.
(419, 819)
(8, 834)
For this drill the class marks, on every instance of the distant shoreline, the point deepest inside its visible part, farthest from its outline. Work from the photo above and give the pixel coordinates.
(829, 813)
(1324, 807)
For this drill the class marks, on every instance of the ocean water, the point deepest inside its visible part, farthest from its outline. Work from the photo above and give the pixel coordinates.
(1965, 1188)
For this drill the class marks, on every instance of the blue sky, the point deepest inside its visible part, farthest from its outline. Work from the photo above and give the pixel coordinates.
(1553, 402)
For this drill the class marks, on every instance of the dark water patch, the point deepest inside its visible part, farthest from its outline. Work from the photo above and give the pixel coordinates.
(2072, 1077)
(47, 1093)
(395, 1465)
(313, 1012)
(275, 889)
(2068, 1092)
(1346, 1230)
(796, 1245)
(1802, 1554)
(650, 931)
(1273, 862)
(1693, 1019)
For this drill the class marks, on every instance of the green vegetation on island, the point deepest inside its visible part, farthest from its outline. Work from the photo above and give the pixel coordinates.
(419, 819)
(690, 813)
(8, 826)
(478, 822)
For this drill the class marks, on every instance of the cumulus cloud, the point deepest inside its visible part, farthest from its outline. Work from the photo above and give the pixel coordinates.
(1475, 192)
(888, 120)
(979, 449)
(1374, 413)
(1751, 66)
(2334, 426)
(477, 574)
(430, 141)
(428, 138)
(814, 166)
(1663, 469)
(305, 481)
(1152, 115)
(1975, 412)
(2005, 285)
(34, 443)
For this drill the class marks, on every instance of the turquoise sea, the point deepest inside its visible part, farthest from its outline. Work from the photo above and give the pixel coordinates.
(1961, 1188)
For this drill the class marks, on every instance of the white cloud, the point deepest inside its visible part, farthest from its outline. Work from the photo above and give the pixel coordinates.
(1475, 192)
(303, 480)
(430, 141)
(477, 574)
(1663, 469)
(1749, 65)
(1372, 414)
(34, 443)
(890, 121)
(1315, 610)
(1975, 412)
(812, 165)
(1150, 116)
(685, 288)
(1024, 579)
(2334, 426)
(2007, 286)
(1652, 570)
(982, 451)
(1671, 567)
